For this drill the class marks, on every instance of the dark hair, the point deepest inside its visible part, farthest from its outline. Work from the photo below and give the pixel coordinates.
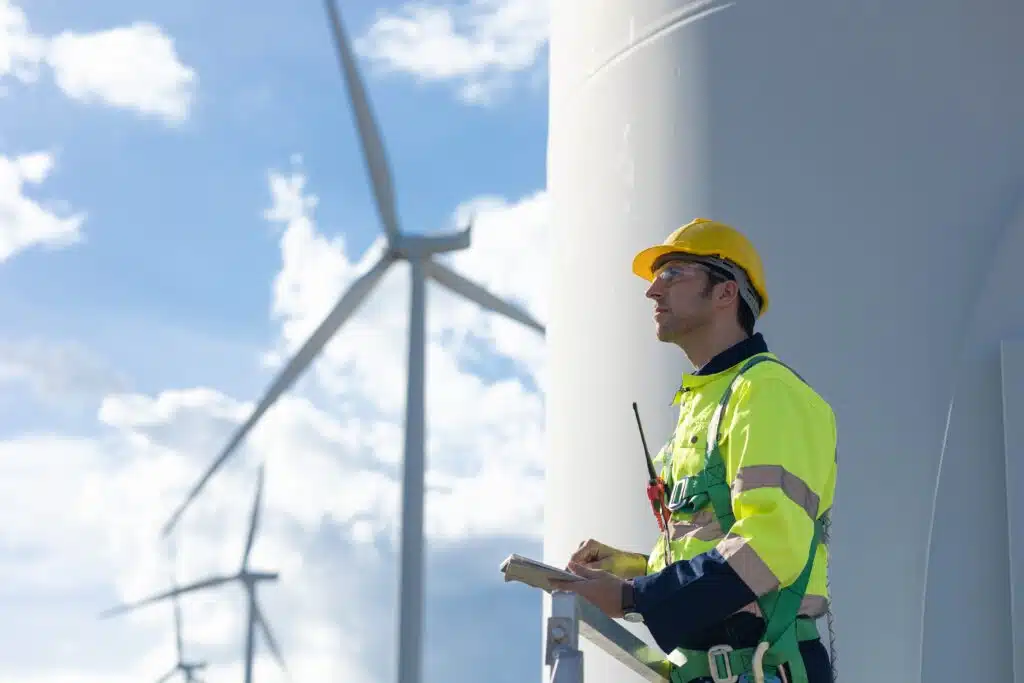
(744, 316)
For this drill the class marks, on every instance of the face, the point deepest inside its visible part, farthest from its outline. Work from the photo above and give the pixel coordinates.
(684, 300)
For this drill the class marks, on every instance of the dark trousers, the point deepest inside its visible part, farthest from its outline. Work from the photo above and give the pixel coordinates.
(745, 630)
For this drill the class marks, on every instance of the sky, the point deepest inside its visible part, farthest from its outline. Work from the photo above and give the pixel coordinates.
(182, 199)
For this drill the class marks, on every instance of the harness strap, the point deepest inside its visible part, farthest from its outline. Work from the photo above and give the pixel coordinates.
(723, 662)
(781, 607)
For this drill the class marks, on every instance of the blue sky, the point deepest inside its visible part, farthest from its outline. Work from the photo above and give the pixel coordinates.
(188, 139)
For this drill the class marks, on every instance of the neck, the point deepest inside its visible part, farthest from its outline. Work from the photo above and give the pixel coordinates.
(701, 349)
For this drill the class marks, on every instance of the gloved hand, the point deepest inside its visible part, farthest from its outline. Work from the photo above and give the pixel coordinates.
(596, 555)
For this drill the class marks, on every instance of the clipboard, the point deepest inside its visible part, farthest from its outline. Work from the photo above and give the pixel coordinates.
(534, 573)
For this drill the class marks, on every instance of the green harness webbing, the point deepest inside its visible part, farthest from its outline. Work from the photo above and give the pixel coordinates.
(730, 663)
(783, 631)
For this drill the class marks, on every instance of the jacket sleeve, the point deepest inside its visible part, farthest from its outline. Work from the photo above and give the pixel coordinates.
(688, 596)
(780, 454)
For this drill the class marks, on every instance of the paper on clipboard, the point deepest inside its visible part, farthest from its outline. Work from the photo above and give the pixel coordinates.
(534, 573)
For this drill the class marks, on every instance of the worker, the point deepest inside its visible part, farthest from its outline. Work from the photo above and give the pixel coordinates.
(738, 577)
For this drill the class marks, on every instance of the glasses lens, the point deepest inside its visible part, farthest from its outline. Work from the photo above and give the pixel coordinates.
(677, 270)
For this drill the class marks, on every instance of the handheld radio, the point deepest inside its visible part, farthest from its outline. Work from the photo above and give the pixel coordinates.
(655, 484)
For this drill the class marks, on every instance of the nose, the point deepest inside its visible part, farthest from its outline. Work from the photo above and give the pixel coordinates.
(654, 290)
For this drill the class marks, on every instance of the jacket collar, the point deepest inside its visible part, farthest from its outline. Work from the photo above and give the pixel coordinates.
(735, 354)
(725, 360)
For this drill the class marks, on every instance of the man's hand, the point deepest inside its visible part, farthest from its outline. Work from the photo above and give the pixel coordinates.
(601, 589)
(596, 555)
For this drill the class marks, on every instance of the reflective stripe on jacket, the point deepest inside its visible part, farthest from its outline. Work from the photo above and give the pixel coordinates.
(778, 440)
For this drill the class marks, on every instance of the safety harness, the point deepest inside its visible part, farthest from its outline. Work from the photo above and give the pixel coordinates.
(783, 630)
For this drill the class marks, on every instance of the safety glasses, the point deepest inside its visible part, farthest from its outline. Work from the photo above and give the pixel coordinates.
(674, 272)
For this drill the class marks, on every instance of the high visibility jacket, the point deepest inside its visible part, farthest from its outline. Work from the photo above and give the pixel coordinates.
(777, 438)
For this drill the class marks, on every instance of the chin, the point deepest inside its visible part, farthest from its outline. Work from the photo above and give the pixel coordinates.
(664, 334)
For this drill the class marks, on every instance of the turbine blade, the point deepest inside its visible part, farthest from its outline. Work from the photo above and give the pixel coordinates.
(369, 132)
(261, 621)
(447, 277)
(167, 676)
(198, 585)
(254, 518)
(342, 311)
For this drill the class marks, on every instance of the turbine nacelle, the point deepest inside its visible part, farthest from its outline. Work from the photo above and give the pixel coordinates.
(417, 247)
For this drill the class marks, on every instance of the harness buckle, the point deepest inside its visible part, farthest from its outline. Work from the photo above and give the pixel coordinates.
(720, 665)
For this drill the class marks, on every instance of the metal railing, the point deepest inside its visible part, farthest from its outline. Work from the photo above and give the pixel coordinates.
(572, 617)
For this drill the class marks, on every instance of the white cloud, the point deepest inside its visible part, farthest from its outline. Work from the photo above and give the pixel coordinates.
(509, 255)
(132, 67)
(25, 222)
(480, 44)
(20, 50)
(91, 68)
(57, 373)
(86, 509)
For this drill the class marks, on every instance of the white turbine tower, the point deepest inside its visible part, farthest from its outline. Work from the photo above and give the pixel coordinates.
(874, 154)
(249, 580)
(419, 252)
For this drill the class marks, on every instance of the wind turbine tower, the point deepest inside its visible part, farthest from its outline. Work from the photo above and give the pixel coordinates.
(419, 252)
(248, 578)
(874, 154)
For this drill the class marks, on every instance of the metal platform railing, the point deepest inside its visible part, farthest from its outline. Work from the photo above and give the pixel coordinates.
(572, 617)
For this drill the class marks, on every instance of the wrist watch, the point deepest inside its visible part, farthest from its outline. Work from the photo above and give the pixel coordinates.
(629, 612)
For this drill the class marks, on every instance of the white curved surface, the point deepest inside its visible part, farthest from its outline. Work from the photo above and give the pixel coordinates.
(968, 587)
(874, 152)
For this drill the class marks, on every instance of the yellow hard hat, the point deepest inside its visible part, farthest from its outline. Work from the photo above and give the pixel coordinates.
(709, 239)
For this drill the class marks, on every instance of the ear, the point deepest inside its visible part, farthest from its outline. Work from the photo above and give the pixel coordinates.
(728, 292)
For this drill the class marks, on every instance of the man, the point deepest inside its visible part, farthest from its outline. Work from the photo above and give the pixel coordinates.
(745, 507)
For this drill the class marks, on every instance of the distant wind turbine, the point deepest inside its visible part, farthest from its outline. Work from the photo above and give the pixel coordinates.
(186, 668)
(419, 252)
(249, 580)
